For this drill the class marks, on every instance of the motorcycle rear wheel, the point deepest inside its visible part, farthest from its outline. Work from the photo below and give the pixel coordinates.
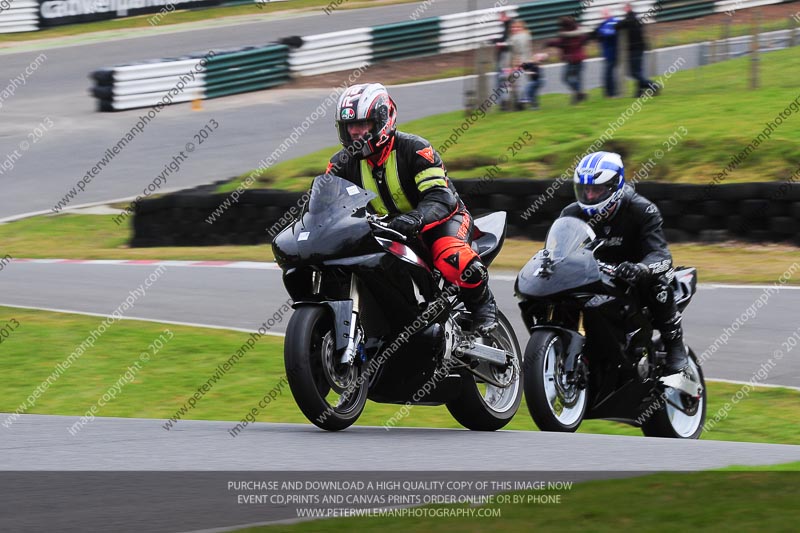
(670, 422)
(554, 404)
(308, 346)
(485, 407)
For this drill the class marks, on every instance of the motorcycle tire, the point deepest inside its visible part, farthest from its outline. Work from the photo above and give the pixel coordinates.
(549, 411)
(669, 422)
(493, 408)
(309, 337)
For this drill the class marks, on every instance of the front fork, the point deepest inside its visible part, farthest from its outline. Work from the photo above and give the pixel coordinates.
(353, 332)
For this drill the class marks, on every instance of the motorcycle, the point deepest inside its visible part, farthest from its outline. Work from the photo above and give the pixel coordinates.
(591, 353)
(373, 319)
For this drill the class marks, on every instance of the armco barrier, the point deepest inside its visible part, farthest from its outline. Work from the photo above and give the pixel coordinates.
(541, 18)
(761, 212)
(405, 39)
(684, 9)
(247, 70)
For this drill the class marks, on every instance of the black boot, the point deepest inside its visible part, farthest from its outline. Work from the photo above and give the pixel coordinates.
(481, 305)
(677, 359)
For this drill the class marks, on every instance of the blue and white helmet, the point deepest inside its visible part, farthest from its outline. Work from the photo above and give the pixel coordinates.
(599, 179)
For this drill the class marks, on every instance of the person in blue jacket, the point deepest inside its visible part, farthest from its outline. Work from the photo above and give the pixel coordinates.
(606, 35)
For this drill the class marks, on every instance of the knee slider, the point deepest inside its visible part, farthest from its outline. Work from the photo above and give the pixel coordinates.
(451, 256)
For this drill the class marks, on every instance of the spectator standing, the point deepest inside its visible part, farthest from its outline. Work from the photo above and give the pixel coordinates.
(606, 35)
(637, 44)
(571, 41)
(520, 50)
(501, 46)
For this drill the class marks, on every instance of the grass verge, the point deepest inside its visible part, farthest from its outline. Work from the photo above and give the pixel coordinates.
(191, 356)
(705, 141)
(704, 501)
(97, 237)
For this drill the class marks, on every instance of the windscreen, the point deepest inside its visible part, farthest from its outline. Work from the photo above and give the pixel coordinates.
(330, 195)
(567, 235)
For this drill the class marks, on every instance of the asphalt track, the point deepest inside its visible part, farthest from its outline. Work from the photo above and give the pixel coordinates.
(132, 475)
(245, 297)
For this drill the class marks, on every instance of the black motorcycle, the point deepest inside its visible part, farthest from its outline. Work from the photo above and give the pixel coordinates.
(591, 353)
(373, 319)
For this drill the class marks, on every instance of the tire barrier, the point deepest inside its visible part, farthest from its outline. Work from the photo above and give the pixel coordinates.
(759, 212)
(19, 15)
(194, 77)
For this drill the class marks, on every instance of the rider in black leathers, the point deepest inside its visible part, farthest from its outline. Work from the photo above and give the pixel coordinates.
(631, 225)
(411, 184)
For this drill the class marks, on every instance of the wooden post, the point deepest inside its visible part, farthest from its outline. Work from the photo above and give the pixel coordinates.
(792, 31)
(754, 45)
(726, 34)
(622, 64)
(471, 87)
(484, 60)
(651, 55)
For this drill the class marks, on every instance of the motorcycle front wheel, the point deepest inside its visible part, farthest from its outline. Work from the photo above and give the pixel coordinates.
(555, 401)
(330, 394)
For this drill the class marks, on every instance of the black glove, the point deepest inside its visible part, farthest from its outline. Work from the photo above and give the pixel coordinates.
(408, 224)
(632, 272)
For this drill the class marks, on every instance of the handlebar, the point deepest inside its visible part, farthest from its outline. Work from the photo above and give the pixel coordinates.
(378, 223)
(607, 268)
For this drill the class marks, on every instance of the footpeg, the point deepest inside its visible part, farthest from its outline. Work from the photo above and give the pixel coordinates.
(682, 383)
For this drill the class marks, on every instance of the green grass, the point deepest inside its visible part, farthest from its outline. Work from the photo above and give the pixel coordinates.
(675, 37)
(97, 237)
(699, 501)
(191, 356)
(189, 15)
(713, 103)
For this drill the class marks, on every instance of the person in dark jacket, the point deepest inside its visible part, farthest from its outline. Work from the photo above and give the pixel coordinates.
(571, 41)
(412, 186)
(632, 228)
(637, 44)
(606, 35)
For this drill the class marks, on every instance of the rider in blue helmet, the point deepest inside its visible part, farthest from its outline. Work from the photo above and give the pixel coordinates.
(632, 228)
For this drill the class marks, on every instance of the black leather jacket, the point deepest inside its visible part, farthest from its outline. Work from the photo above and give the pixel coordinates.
(634, 233)
(422, 177)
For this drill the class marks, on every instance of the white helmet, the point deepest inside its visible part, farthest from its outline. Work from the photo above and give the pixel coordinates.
(599, 179)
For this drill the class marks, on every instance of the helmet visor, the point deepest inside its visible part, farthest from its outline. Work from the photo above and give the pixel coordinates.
(594, 194)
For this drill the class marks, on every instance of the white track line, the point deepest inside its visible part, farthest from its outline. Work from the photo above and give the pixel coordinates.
(754, 385)
(248, 265)
(172, 322)
(705, 286)
(269, 265)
